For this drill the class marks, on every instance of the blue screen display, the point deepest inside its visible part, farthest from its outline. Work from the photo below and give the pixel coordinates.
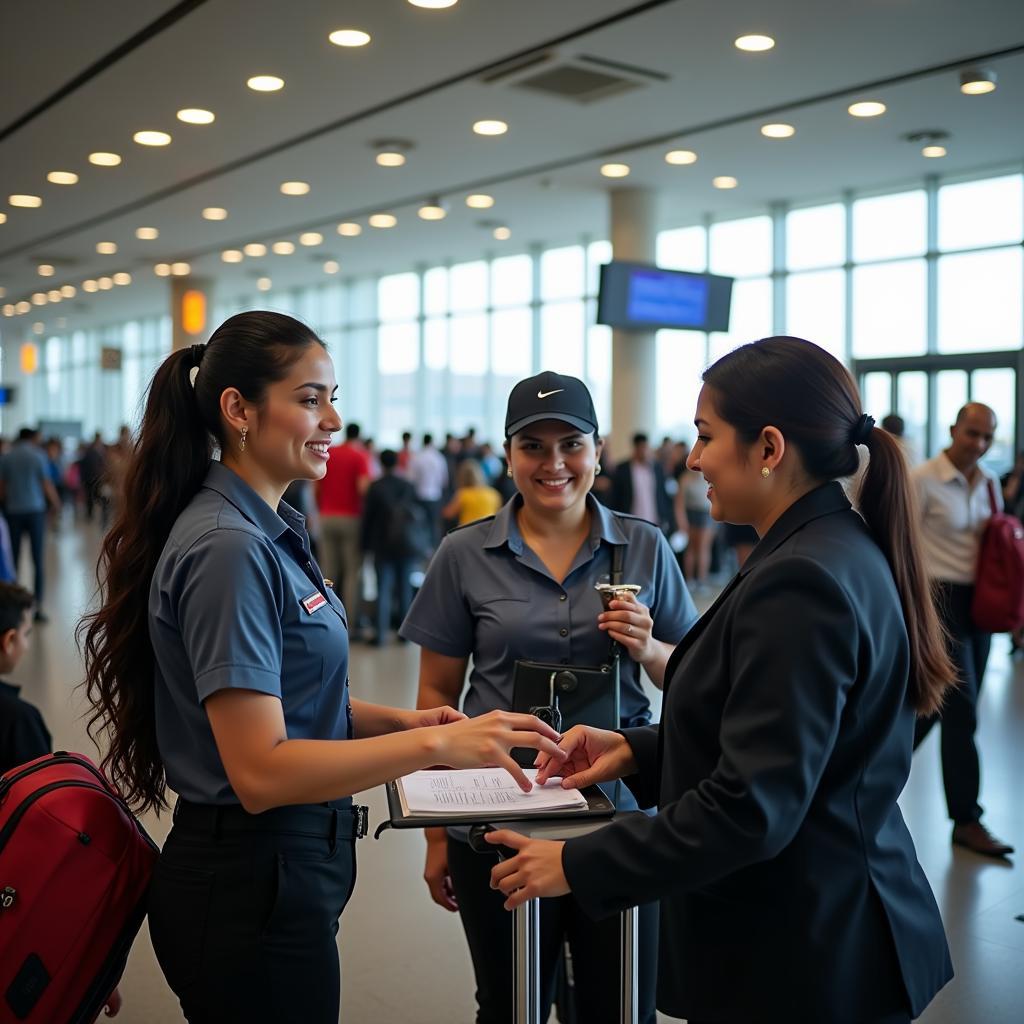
(667, 298)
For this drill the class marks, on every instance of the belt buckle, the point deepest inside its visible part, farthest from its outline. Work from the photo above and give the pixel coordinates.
(362, 815)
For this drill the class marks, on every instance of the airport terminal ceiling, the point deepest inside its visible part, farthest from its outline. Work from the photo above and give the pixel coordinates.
(81, 79)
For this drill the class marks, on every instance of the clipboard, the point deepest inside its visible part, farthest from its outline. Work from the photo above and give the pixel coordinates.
(598, 806)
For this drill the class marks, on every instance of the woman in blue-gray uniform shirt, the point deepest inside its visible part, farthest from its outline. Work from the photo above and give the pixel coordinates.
(217, 666)
(520, 586)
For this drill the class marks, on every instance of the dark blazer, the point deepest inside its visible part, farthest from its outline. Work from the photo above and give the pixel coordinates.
(621, 497)
(789, 886)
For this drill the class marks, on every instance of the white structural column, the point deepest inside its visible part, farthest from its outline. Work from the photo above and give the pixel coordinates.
(191, 309)
(634, 365)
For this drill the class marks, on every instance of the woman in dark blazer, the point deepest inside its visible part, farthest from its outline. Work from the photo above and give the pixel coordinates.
(789, 885)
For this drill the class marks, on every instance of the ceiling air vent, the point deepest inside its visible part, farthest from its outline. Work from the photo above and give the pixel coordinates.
(582, 78)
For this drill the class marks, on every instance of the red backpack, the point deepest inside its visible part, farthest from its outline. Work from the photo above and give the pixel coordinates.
(75, 865)
(998, 605)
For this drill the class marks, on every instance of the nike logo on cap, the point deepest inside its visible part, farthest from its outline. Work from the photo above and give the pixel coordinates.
(548, 394)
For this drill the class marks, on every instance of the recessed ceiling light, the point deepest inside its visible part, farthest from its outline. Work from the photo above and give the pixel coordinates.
(105, 283)
(45, 270)
(349, 229)
(977, 81)
(149, 138)
(778, 131)
(196, 115)
(724, 181)
(433, 5)
(490, 127)
(106, 248)
(680, 157)
(503, 234)
(331, 267)
(294, 188)
(432, 210)
(933, 152)
(122, 278)
(104, 159)
(215, 213)
(480, 201)
(255, 249)
(39, 299)
(62, 178)
(161, 270)
(615, 170)
(265, 83)
(383, 220)
(310, 238)
(54, 295)
(232, 256)
(28, 202)
(21, 308)
(283, 248)
(349, 37)
(69, 291)
(147, 234)
(390, 159)
(866, 108)
(38, 327)
(9, 309)
(264, 284)
(180, 269)
(755, 43)
(3, 218)
(92, 286)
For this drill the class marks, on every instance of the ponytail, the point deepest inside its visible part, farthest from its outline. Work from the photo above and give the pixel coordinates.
(889, 506)
(811, 398)
(165, 471)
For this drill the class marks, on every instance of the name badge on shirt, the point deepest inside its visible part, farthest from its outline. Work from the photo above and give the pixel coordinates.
(313, 602)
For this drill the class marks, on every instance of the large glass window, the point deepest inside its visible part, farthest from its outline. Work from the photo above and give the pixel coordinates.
(979, 213)
(683, 249)
(888, 227)
(980, 301)
(742, 248)
(562, 273)
(890, 309)
(816, 309)
(751, 317)
(816, 237)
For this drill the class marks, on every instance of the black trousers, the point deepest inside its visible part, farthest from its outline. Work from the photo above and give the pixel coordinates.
(33, 526)
(958, 720)
(243, 913)
(595, 947)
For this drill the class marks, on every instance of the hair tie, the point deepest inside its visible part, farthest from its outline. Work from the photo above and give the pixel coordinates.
(196, 354)
(862, 430)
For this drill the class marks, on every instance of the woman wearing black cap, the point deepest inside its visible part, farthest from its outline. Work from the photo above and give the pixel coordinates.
(518, 587)
(788, 882)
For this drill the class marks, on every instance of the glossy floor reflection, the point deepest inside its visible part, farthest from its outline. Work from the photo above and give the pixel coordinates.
(404, 959)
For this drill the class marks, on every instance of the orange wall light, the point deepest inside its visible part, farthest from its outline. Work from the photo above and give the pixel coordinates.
(29, 358)
(193, 312)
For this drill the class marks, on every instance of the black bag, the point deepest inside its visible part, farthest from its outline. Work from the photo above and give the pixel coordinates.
(582, 694)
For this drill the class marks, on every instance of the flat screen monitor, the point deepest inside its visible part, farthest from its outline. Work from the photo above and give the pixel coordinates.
(640, 297)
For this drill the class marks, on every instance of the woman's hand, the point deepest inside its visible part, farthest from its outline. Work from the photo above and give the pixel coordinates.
(435, 873)
(535, 870)
(485, 742)
(419, 719)
(630, 623)
(589, 755)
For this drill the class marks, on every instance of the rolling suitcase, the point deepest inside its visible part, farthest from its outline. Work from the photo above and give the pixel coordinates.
(75, 865)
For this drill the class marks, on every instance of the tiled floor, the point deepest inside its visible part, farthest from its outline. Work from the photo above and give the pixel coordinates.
(404, 959)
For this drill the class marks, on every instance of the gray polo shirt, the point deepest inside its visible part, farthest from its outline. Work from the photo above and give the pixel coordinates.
(486, 594)
(23, 469)
(237, 601)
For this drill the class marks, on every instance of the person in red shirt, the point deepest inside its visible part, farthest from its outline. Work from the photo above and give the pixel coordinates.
(339, 497)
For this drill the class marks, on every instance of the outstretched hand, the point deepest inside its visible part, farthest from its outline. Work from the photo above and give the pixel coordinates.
(588, 755)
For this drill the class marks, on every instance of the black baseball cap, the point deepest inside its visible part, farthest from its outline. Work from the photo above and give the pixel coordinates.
(550, 396)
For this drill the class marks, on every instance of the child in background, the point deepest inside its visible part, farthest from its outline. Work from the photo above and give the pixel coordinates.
(23, 734)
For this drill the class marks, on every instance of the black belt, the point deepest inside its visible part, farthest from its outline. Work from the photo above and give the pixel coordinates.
(328, 821)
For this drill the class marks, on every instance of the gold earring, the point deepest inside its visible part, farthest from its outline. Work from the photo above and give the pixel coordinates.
(765, 472)
(597, 472)
(245, 430)
(508, 472)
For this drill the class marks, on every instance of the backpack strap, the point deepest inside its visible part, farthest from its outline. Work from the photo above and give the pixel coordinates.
(992, 495)
(618, 553)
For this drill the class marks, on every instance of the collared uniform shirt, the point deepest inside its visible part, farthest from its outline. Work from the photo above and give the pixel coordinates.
(23, 469)
(954, 515)
(238, 602)
(487, 595)
(428, 473)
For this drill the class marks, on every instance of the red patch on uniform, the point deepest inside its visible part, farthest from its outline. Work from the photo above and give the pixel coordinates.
(313, 602)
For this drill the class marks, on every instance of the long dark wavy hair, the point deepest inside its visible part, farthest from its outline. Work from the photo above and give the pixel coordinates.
(809, 395)
(169, 461)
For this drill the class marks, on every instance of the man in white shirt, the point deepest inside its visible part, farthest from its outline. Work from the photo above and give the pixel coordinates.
(428, 473)
(955, 505)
